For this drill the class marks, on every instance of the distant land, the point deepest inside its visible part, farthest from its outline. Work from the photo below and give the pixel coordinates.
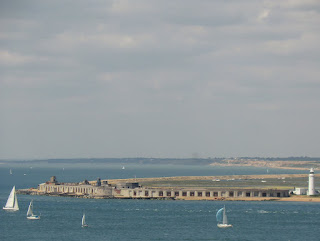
(299, 163)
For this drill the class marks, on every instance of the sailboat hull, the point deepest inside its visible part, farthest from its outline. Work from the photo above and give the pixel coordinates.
(11, 209)
(221, 225)
(35, 217)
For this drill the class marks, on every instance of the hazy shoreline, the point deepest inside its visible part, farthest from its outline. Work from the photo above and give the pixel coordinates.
(290, 163)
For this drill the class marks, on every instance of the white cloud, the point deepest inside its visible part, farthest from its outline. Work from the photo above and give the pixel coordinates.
(264, 14)
(11, 58)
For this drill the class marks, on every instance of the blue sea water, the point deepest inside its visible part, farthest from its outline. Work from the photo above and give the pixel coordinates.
(114, 220)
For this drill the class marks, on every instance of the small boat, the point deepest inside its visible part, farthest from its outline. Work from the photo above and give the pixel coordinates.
(30, 214)
(222, 218)
(123, 168)
(12, 202)
(83, 221)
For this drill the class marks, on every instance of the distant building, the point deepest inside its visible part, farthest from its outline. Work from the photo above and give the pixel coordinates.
(53, 187)
(300, 191)
(101, 189)
(311, 186)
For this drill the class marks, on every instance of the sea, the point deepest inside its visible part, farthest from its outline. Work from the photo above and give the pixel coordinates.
(145, 220)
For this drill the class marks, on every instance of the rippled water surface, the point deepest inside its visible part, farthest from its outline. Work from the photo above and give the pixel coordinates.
(146, 219)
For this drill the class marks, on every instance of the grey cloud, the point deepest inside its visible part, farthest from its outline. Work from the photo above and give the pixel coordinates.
(159, 78)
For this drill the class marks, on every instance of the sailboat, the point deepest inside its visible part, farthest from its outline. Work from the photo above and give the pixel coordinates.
(123, 168)
(12, 202)
(83, 221)
(222, 218)
(30, 214)
(10, 172)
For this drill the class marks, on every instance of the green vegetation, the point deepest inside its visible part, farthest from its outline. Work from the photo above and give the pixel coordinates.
(287, 183)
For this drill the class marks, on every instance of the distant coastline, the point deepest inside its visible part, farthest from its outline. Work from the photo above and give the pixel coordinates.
(280, 164)
(294, 163)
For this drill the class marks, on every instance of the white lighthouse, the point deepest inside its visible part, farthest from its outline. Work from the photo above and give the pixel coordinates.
(311, 190)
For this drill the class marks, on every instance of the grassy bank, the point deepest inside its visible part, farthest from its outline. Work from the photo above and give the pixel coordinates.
(283, 181)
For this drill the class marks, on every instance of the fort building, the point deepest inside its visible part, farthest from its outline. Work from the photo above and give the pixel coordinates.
(95, 190)
(210, 193)
(101, 189)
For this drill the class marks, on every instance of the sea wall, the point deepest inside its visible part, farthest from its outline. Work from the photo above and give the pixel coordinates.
(190, 193)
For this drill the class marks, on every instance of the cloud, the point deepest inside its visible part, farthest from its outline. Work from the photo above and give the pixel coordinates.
(264, 14)
(9, 58)
(192, 74)
(306, 44)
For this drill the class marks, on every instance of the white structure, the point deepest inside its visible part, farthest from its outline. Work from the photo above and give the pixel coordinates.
(300, 191)
(311, 190)
(98, 189)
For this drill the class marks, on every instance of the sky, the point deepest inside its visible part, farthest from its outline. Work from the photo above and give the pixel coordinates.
(159, 78)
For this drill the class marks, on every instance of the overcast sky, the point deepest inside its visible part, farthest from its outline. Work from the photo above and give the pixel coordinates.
(162, 78)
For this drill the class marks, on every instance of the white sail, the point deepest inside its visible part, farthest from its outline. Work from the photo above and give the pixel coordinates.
(83, 221)
(16, 206)
(30, 209)
(12, 202)
(225, 219)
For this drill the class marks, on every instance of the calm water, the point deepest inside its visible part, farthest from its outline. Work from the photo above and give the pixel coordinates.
(147, 219)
